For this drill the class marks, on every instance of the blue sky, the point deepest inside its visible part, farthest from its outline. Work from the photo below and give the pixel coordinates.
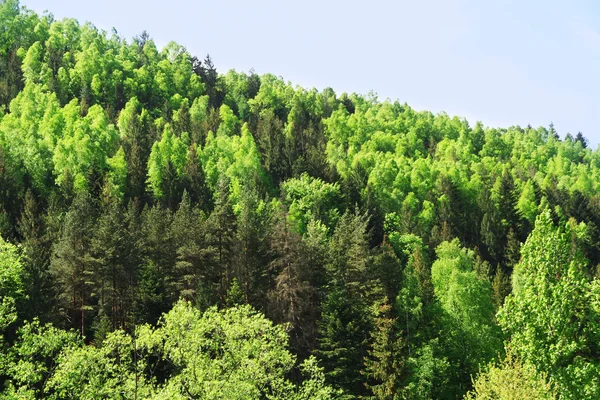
(501, 62)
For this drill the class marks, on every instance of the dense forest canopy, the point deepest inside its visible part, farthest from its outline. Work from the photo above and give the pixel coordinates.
(167, 231)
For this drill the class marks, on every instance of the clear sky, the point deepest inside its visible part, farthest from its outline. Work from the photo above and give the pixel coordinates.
(501, 62)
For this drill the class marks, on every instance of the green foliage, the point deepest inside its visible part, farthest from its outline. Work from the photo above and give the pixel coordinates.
(235, 158)
(11, 271)
(234, 354)
(310, 198)
(511, 380)
(132, 176)
(466, 300)
(84, 147)
(12, 289)
(385, 362)
(32, 360)
(343, 344)
(166, 163)
(551, 315)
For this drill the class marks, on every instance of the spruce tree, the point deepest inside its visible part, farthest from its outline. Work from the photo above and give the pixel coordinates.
(73, 265)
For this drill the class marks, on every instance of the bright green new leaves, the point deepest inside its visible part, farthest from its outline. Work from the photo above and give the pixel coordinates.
(109, 371)
(12, 290)
(11, 285)
(511, 380)
(310, 199)
(30, 131)
(84, 147)
(33, 358)
(11, 270)
(235, 158)
(552, 315)
(466, 299)
(229, 122)
(167, 161)
(231, 354)
(117, 174)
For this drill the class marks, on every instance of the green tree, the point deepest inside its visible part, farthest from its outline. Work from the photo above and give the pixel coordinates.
(134, 130)
(72, 264)
(37, 252)
(342, 343)
(471, 333)
(552, 314)
(385, 364)
(511, 380)
(236, 353)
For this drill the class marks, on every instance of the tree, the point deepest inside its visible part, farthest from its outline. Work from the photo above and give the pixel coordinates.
(156, 275)
(253, 225)
(187, 233)
(342, 343)
(466, 300)
(511, 380)
(33, 358)
(235, 353)
(551, 315)
(385, 364)
(194, 181)
(293, 294)
(581, 139)
(311, 198)
(208, 73)
(134, 129)
(12, 287)
(220, 236)
(37, 253)
(166, 165)
(116, 259)
(72, 264)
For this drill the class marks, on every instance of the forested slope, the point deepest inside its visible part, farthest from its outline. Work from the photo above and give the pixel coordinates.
(171, 232)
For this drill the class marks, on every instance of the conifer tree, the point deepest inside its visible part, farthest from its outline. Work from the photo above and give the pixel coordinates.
(72, 264)
(385, 363)
(220, 237)
(37, 253)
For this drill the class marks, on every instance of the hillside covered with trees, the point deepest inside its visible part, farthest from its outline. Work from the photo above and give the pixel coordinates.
(167, 231)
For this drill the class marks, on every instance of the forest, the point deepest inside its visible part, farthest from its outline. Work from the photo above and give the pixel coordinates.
(171, 232)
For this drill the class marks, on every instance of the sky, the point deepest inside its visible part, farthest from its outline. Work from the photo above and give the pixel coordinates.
(500, 62)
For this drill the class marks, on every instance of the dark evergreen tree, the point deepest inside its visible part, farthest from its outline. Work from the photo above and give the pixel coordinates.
(343, 340)
(73, 265)
(37, 251)
(187, 234)
(253, 225)
(155, 294)
(385, 364)
(195, 181)
(220, 237)
(292, 295)
(137, 142)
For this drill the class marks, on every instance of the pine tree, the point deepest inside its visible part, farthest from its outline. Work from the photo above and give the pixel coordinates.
(114, 248)
(350, 263)
(343, 340)
(195, 181)
(253, 225)
(385, 364)
(135, 130)
(220, 237)
(72, 264)
(37, 253)
(292, 295)
(186, 231)
(155, 294)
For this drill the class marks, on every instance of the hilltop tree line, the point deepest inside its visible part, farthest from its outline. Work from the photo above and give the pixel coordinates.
(167, 231)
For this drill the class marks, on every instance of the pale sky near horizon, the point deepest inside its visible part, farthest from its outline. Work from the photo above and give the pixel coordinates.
(500, 62)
